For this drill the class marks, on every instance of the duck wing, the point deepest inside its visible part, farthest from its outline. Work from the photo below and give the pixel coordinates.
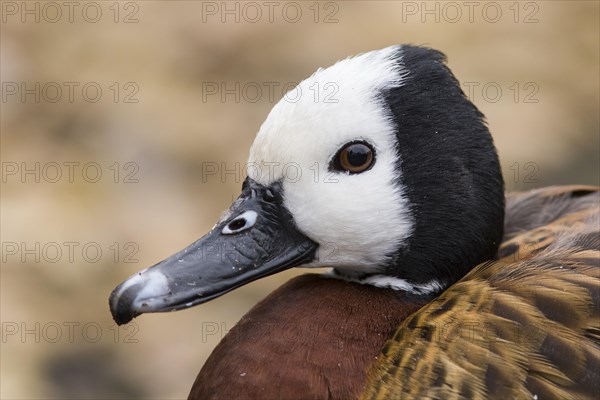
(524, 326)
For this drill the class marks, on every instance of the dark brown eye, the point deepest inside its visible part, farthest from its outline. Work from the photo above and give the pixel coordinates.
(354, 157)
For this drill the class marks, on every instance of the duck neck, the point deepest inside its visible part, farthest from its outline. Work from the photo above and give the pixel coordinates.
(315, 336)
(434, 286)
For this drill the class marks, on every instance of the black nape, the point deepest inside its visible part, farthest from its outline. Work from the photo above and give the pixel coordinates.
(450, 172)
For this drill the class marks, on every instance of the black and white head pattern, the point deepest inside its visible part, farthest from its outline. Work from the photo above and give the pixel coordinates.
(431, 205)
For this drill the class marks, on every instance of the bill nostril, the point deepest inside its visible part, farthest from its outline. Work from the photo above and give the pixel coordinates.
(240, 223)
(237, 224)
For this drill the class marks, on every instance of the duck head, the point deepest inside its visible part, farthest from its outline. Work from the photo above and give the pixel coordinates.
(378, 167)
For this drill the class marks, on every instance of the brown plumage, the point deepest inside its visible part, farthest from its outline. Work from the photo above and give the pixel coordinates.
(526, 325)
(312, 338)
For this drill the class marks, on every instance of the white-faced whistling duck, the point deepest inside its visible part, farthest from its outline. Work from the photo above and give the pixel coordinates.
(441, 287)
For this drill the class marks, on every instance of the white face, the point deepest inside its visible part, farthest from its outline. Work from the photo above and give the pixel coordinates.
(359, 220)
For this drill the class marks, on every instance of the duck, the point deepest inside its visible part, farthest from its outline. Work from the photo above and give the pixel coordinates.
(438, 284)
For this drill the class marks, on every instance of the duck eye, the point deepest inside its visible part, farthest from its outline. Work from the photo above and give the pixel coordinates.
(354, 158)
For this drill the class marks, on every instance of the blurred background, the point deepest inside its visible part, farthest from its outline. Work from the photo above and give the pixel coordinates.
(126, 126)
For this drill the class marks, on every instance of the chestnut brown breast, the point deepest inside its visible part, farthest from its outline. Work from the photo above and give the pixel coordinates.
(314, 337)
